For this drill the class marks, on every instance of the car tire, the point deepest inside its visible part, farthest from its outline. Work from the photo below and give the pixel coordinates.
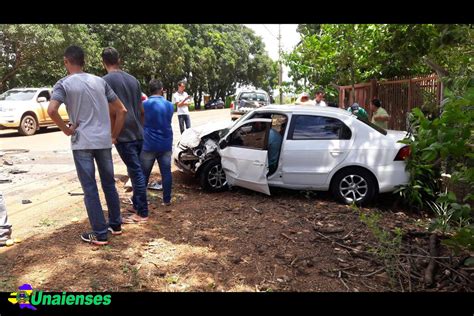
(354, 185)
(212, 177)
(28, 125)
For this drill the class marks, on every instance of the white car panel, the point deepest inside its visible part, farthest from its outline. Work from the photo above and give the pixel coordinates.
(246, 167)
(312, 164)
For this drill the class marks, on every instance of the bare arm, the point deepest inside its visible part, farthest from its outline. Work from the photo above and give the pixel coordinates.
(184, 102)
(382, 118)
(117, 118)
(54, 115)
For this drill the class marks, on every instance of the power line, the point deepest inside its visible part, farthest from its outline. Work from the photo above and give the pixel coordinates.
(269, 31)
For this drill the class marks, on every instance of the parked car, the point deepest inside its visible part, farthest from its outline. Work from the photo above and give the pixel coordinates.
(26, 109)
(321, 149)
(248, 100)
(214, 104)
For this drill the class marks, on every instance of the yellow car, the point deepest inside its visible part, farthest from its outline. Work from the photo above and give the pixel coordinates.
(26, 109)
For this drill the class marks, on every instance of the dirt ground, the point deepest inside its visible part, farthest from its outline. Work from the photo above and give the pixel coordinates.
(232, 241)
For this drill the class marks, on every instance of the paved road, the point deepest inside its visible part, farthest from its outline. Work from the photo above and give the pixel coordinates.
(51, 174)
(52, 139)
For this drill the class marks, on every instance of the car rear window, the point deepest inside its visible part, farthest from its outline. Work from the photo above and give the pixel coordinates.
(376, 127)
(252, 96)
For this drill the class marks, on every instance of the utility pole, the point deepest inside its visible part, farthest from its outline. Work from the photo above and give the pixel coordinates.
(279, 61)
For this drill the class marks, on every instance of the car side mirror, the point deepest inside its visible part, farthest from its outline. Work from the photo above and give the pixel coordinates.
(223, 143)
(41, 99)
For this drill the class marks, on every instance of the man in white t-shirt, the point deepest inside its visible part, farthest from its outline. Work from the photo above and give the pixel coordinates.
(319, 99)
(182, 100)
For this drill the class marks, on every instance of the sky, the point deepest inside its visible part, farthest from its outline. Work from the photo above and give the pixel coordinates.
(269, 32)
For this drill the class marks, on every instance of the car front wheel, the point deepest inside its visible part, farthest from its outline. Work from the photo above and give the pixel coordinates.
(212, 177)
(354, 186)
(28, 126)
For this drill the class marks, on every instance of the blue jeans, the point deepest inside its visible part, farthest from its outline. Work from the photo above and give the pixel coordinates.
(84, 160)
(184, 119)
(164, 162)
(130, 154)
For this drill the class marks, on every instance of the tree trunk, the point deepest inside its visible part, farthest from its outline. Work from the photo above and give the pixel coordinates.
(199, 97)
(13, 71)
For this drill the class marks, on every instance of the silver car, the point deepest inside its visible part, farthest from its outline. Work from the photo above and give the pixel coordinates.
(248, 100)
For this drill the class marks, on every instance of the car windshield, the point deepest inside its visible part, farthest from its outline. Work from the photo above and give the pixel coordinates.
(224, 131)
(252, 96)
(377, 128)
(17, 95)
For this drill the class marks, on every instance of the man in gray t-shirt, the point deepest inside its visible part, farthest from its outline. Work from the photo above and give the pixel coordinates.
(130, 141)
(97, 117)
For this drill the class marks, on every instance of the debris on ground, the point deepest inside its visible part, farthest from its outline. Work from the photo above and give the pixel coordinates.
(75, 193)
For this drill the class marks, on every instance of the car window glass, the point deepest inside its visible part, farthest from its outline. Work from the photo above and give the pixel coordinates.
(18, 95)
(44, 94)
(318, 127)
(251, 135)
(251, 96)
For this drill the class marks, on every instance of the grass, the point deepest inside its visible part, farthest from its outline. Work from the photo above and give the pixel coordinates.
(45, 222)
(8, 284)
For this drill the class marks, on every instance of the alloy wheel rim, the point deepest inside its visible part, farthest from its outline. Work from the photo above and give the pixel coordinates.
(353, 188)
(216, 177)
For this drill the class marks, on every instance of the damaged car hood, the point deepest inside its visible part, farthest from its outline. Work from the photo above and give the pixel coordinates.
(191, 137)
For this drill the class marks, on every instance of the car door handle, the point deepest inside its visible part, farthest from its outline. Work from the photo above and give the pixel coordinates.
(336, 152)
(257, 163)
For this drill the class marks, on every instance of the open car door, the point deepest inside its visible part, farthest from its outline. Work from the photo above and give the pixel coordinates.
(244, 155)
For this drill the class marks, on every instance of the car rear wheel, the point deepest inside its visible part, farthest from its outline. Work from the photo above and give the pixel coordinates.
(212, 177)
(354, 185)
(28, 126)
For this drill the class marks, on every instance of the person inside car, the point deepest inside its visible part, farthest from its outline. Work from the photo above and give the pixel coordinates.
(359, 111)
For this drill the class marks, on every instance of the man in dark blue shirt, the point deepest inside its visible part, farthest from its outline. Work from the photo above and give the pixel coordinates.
(158, 137)
(130, 141)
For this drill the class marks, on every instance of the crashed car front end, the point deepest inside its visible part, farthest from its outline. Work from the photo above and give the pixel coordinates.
(199, 145)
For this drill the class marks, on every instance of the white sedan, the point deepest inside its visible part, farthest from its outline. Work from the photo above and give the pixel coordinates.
(296, 147)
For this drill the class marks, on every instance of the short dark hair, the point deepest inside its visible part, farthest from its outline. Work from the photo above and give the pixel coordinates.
(155, 86)
(75, 55)
(110, 56)
(376, 102)
(181, 82)
(319, 92)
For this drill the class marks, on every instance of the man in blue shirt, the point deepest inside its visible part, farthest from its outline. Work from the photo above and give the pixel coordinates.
(274, 145)
(158, 137)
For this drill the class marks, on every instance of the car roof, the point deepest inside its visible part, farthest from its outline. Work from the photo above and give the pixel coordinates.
(312, 109)
(22, 89)
(252, 91)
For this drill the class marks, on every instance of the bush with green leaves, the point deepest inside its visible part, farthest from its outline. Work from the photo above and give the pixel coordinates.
(439, 145)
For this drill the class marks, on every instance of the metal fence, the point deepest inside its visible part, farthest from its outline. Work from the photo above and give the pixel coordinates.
(398, 97)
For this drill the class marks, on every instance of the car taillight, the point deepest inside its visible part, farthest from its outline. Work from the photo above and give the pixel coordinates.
(231, 105)
(403, 153)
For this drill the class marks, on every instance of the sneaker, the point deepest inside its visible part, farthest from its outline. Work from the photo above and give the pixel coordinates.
(155, 186)
(93, 239)
(166, 204)
(115, 229)
(134, 219)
